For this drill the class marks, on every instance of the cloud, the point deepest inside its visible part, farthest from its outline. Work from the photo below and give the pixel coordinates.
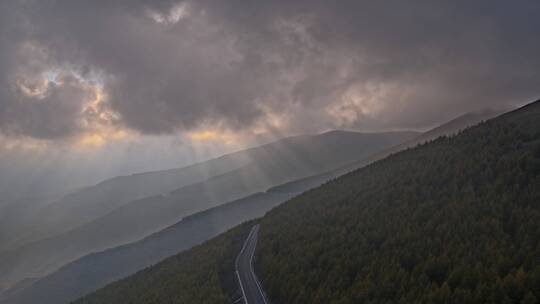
(259, 66)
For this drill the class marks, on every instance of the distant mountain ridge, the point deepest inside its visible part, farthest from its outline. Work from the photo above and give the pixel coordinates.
(454, 220)
(95, 201)
(106, 262)
(98, 269)
(253, 170)
(447, 129)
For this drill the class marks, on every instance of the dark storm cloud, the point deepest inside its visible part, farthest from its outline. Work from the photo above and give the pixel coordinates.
(168, 65)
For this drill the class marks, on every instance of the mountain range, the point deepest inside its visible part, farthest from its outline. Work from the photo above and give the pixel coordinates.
(231, 177)
(95, 270)
(453, 220)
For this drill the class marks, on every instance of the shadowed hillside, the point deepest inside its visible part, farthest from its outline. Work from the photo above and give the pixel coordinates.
(94, 271)
(98, 269)
(202, 275)
(451, 221)
(262, 167)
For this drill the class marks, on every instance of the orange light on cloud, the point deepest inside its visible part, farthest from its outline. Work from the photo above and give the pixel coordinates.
(101, 137)
(99, 123)
(211, 135)
(22, 144)
(91, 140)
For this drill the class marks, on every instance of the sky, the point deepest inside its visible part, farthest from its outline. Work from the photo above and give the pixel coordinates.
(93, 89)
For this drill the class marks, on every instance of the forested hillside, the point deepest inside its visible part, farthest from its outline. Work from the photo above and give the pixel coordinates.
(96, 270)
(201, 275)
(452, 221)
(455, 220)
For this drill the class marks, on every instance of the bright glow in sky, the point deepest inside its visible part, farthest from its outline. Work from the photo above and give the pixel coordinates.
(143, 85)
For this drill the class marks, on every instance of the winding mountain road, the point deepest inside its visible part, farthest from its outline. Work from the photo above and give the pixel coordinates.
(249, 284)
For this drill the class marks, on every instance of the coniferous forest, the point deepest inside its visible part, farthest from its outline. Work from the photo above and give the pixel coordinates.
(455, 220)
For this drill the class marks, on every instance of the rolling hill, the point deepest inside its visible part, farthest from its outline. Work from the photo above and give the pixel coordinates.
(266, 166)
(96, 270)
(30, 221)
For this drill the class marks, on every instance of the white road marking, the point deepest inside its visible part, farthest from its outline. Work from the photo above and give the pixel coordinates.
(253, 272)
(236, 264)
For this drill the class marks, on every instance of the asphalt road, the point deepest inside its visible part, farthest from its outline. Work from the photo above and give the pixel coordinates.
(249, 284)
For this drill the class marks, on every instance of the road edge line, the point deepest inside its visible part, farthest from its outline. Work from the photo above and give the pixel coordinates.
(253, 272)
(236, 264)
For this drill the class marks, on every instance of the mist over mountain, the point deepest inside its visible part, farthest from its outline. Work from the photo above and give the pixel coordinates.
(407, 228)
(92, 202)
(95, 270)
(449, 128)
(284, 151)
(257, 170)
